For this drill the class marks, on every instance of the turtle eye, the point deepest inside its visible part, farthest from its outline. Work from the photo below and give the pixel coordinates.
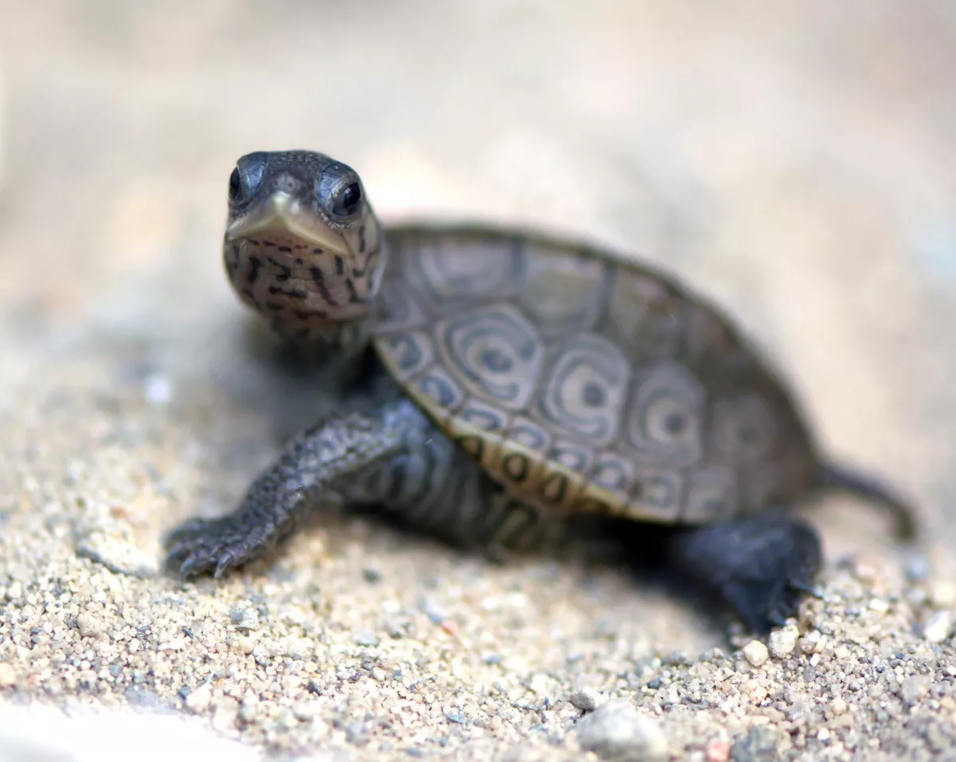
(346, 200)
(235, 185)
(339, 191)
(246, 178)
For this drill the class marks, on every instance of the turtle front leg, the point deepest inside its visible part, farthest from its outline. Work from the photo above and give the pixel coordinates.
(309, 474)
(385, 454)
(761, 566)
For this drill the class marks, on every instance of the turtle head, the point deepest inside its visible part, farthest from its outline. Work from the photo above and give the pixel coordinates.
(302, 245)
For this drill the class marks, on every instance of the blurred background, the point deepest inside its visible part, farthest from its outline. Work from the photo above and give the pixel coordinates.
(794, 160)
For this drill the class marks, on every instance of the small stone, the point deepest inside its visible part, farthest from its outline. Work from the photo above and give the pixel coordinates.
(943, 594)
(357, 733)
(837, 707)
(917, 568)
(587, 699)
(782, 642)
(756, 653)
(89, 625)
(365, 638)
(939, 626)
(879, 605)
(198, 699)
(298, 648)
(249, 711)
(118, 556)
(433, 610)
(246, 644)
(948, 703)
(224, 715)
(761, 744)
(617, 732)
(305, 711)
(8, 675)
(865, 571)
(755, 691)
(287, 720)
(724, 673)
(158, 389)
(244, 618)
(813, 642)
(914, 688)
(718, 751)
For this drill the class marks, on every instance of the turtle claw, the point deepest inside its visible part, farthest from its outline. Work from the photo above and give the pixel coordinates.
(209, 545)
(805, 588)
(225, 562)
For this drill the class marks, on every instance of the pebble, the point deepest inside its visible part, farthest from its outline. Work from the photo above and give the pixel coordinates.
(116, 555)
(914, 688)
(198, 699)
(718, 751)
(918, 568)
(158, 389)
(89, 625)
(8, 675)
(587, 699)
(837, 707)
(756, 653)
(943, 593)
(432, 610)
(761, 744)
(939, 626)
(365, 638)
(617, 732)
(813, 642)
(754, 691)
(724, 673)
(782, 642)
(225, 713)
(245, 618)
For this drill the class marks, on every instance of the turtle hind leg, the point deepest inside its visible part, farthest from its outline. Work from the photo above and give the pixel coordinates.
(761, 566)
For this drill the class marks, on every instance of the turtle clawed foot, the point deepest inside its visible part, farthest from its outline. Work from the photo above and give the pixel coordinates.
(761, 566)
(762, 604)
(200, 546)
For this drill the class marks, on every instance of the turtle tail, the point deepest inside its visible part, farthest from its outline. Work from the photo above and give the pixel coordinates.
(840, 477)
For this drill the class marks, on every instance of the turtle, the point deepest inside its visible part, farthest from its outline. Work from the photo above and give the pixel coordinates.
(496, 386)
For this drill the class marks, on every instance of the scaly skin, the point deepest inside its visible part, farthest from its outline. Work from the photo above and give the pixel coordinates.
(304, 249)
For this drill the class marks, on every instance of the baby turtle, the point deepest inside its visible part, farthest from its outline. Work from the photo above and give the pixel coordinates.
(514, 382)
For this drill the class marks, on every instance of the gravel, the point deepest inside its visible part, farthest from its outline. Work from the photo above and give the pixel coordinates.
(587, 700)
(756, 653)
(619, 733)
(782, 642)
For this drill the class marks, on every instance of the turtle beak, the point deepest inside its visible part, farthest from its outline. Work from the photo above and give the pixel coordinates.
(283, 215)
(277, 212)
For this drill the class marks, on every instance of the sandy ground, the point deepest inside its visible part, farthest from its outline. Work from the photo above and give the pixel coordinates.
(795, 160)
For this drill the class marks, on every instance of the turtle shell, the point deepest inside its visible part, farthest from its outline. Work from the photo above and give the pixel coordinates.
(584, 381)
